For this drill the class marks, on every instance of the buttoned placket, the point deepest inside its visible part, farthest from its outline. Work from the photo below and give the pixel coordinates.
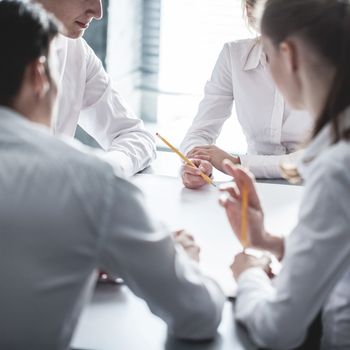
(61, 53)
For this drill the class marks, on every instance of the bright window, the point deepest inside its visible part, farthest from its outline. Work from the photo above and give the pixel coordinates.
(192, 34)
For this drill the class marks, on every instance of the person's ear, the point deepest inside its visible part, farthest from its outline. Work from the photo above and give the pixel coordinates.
(39, 78)
(288, 51)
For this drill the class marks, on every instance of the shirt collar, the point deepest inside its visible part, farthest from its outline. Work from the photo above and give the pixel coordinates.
(255, 56)
(60, 42)
(10, 116)
(7, 113)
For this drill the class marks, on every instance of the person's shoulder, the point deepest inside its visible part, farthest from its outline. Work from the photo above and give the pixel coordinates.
(241, 46)
(238, 52)
(60, 154)
(332, 167)
(86, 161)
(337, 157)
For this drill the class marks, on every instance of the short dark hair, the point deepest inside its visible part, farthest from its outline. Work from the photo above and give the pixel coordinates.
(26, 31)
(325, 26)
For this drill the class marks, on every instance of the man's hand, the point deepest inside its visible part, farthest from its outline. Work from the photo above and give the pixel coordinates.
(187, 242)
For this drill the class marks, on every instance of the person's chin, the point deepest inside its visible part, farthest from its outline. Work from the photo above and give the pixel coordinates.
(74, 34)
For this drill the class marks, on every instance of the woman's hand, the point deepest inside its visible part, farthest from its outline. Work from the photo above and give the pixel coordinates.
(258, 238)
(232, 203)
(214, 155)
(191, 177)
(188, 243)
(243, 262)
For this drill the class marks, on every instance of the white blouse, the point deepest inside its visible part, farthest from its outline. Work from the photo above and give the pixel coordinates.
(316, 267)
(273, 131)
(88, 98)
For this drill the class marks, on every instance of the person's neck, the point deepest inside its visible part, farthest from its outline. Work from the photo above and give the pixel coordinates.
(32, 114)
(317, 89)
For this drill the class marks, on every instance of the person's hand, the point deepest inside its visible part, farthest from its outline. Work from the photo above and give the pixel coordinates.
(188, 243)
(191, 177)
(232, 202)
(243, 262)
(214, 155)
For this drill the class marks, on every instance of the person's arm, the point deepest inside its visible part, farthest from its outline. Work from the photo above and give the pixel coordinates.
(105, 116)
(278, 313)
(268, 166)
(215, 107)
(258, 237)
(144, 255)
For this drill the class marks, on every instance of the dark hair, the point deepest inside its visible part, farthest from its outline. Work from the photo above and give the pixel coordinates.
(325, 26)
(26, 31)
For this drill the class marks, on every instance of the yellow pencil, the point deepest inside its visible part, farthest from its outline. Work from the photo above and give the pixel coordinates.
(244, 216)
(186, 160)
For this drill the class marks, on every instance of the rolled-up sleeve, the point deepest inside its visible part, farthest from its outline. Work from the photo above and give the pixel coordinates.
(105, 116)
(269, 166)
(215, 107)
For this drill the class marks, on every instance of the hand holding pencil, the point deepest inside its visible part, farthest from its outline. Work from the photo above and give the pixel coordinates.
(196, 168)
(243, 208)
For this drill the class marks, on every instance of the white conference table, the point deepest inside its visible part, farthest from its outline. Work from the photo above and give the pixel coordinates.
(116, 319)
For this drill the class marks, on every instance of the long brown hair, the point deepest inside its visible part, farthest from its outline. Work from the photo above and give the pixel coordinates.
(325, 26)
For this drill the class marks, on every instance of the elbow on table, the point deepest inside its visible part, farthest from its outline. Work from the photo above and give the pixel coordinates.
(200, 324)
(279, 337)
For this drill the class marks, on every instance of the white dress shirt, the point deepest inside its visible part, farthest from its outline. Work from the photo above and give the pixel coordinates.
(273, 131)
(316, 267)
(89, 99)
(63, 214)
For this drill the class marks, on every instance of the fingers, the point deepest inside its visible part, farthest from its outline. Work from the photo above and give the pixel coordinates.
(201, 166)
(229, 203)
(247, 260)
(194, 252)
(185, 239)
(191, 176)
(231, 189)
(243, 178)
(193, 182)
(199, 149)
(205, 152)
(188, 243)
(203, 157)
(189, 169)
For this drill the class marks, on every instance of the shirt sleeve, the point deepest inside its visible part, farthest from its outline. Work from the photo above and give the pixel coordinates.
(143, 253)
(278, 314)
(268, 166)
(215, 107)
(105, 116)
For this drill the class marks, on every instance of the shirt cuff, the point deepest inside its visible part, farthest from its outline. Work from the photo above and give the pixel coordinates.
(121, 163)
(253, 285)
(251, 277)
(265, 167)
(268, 166)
